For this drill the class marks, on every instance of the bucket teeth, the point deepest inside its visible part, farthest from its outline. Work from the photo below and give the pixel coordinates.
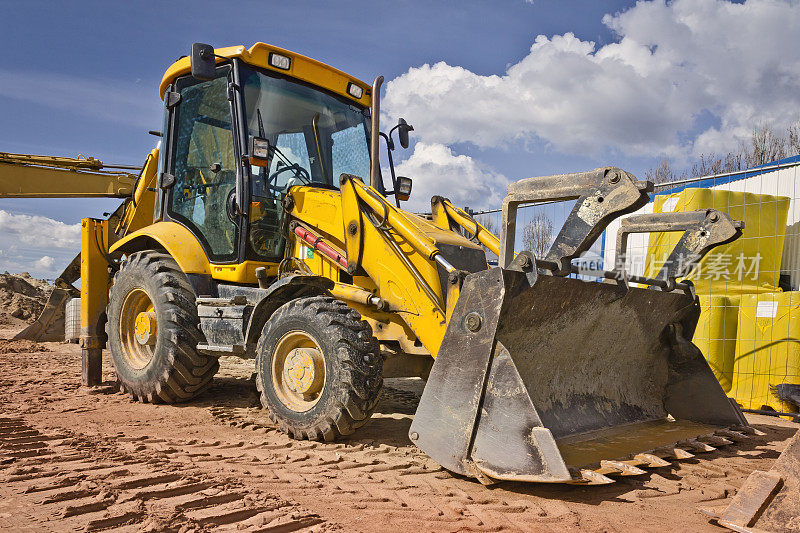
(732, 435)
(714, 440)
(657, 458)
(696, 446)
(748, 430)
(588, 477)
(620, 468)
(650, 460)
(672, 452)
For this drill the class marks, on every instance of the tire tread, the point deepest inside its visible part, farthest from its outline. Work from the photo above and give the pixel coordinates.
(357, 354)
(188, 372)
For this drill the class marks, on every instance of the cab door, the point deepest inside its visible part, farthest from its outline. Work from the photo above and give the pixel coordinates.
(203, 166)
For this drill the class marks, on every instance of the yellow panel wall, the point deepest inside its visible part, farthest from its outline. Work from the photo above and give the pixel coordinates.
(748, 265)
(767, 349)
(715, 335)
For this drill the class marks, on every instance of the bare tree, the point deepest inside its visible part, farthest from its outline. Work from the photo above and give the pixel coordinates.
(537, 235)
(765, 146)
(793, 140)
(489, 223)
(662, 172)
(732, 162)
(707, 165)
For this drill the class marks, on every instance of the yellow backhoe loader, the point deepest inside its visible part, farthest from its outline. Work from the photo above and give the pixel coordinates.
(262, 227)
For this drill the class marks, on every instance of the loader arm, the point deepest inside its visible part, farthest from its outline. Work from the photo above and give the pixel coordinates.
(412, 273)
(447, 216)
(702, 231)
(601, 195)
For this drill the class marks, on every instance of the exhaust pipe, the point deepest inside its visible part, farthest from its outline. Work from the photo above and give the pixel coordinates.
(375, 165)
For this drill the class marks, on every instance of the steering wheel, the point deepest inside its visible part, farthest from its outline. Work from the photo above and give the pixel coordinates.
(299, 172)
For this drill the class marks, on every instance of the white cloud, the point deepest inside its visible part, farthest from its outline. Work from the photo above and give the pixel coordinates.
(37, 231)
(641, 95)
(435, 169)
(44, 263)
(36, 244)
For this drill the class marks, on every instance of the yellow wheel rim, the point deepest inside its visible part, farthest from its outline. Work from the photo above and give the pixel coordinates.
(298, 371)
(138, 329)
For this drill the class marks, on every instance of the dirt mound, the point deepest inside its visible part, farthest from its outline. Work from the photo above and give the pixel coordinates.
(22, 297)
(21, 346)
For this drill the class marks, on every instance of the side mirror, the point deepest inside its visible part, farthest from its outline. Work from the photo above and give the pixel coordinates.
(202, 60)
(403, 128)
(403, 190)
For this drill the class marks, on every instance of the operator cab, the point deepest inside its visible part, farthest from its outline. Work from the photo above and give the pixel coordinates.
(242, 128)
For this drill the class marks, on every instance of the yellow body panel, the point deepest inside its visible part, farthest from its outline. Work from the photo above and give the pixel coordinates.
(242, 272)
(302, 67)
(322, 210)
(144, 198)
(178, 241)
(187, 251)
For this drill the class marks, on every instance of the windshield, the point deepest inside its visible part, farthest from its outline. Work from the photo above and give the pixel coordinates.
(315, 136)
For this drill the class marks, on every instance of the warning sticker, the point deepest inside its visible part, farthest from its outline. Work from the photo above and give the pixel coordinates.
(306, 252)
(767, 309)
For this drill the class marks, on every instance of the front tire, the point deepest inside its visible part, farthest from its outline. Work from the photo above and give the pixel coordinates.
(153, 331)
(319, 369)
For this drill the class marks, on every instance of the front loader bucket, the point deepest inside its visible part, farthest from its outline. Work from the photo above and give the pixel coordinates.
(553, 379)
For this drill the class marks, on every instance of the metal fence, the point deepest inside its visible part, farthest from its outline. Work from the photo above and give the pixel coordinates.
(749, 330)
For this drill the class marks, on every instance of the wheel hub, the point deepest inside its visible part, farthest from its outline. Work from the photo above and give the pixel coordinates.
(137, 328)
(145, 328)
(298, 371)
(303, 371)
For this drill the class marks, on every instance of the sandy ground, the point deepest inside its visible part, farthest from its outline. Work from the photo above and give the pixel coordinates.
(73, 458)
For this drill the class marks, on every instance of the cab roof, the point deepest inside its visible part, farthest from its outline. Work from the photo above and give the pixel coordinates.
(301, 67)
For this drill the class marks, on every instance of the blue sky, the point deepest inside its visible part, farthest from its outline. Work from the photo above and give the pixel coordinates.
(497, 90)
(126, 46)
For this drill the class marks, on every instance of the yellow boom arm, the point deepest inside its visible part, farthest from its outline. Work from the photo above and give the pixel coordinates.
(38, 176)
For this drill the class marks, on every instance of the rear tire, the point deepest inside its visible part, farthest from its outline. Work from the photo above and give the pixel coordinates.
(353, 368)
(168, 368)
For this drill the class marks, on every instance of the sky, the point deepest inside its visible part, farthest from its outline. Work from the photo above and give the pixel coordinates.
(496, 91)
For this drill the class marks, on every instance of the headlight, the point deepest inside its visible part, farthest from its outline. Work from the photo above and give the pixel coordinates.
(259, 151)
(356, 91)
(403, 191)
(280, 61)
